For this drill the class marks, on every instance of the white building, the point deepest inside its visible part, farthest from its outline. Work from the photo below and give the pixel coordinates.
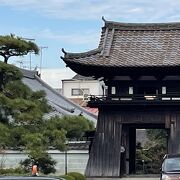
(79, 88)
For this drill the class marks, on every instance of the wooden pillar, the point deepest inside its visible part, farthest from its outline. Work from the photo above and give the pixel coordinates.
(174, 136)
(132, 151)
(105, 155)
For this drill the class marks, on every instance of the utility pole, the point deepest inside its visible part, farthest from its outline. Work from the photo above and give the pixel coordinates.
(41, 56)
(29, 39)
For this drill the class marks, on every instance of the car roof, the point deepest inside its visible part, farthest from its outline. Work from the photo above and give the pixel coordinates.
(167, 156)
(28, 178)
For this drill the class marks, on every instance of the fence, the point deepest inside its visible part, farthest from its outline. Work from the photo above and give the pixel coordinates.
(70, 161)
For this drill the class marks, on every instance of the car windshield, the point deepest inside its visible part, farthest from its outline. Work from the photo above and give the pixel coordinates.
(171, 164)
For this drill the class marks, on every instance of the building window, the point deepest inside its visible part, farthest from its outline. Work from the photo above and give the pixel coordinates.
(113, 90)
(85, 91)
(163, 90)
(79, 92)
(130, 90)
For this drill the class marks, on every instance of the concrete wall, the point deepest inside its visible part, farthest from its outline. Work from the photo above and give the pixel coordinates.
(76, 160)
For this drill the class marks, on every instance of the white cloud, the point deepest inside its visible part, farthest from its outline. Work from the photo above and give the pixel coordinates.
(54, 77)
(87, 37)
(136, 10)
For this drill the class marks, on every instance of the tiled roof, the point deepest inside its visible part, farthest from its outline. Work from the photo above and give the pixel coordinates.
(60, 104)
(80, 77)
(132, 45)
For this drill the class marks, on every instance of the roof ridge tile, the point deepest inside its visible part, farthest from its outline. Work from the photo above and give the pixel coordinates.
(142, 26)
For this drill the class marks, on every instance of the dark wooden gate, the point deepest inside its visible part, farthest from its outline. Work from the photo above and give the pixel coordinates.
(116, 130)
(105, 154)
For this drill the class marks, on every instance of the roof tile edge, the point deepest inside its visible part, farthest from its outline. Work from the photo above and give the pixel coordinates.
(141, 26)
(29, 73)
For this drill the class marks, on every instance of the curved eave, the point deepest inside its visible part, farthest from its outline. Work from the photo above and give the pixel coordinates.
(106, 71)
(68, 55)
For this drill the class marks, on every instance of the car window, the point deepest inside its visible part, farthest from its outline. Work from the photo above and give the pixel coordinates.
(171, 164)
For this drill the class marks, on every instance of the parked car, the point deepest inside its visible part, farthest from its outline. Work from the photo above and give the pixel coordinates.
(170, 169)
(28, 178)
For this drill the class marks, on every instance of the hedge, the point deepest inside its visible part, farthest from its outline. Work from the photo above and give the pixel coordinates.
(76, 175)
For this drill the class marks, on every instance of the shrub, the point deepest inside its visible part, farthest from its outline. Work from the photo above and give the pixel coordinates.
(77, 176)
(67, 177)
(12, 171)
(46, 164)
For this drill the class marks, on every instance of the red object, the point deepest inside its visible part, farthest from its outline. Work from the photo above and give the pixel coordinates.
(92, 110)
(34, 170)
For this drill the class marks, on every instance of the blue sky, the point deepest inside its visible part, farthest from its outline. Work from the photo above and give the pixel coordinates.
(74, 25)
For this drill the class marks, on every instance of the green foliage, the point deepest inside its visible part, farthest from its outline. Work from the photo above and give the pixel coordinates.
(45, 163)
(4, 136)
(21, 104)
(16, 134)
(12, 171)
(35, 144)
(22, 126)
(11, 45)
(11, 72)
(39, 98)
(21, 117)
(26, 165)
(75, 126)
(76, 175)
(8, 73)
(153, 152)
(21, 110)
(67, 177)
(57, 139)
(57, 129)
(17, 100)
(156, 155)
(157, 135)
(16, 89)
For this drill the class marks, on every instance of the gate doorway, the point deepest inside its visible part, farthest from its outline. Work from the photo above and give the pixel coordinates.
(147, 146)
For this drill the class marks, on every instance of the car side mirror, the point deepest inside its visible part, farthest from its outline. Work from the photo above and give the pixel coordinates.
(161, 170)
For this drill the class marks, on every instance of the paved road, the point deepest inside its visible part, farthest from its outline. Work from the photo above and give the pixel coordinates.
(127, 178)
(156, 177)
(141, 178)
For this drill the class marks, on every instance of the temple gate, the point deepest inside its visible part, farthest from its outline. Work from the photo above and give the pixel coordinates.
(140, 66)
